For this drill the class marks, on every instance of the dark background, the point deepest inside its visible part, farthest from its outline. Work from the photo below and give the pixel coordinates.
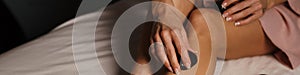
(24, 20)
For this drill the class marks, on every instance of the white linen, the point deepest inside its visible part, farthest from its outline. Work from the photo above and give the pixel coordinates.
(256, 65)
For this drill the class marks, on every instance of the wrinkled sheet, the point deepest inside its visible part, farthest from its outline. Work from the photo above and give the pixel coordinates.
(256, 65)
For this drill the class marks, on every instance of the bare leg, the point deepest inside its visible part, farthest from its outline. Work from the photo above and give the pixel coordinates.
(242, 41)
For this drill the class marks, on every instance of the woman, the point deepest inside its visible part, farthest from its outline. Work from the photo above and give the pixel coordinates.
(245, 16)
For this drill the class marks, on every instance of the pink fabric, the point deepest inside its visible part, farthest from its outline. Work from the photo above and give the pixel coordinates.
(282, 26)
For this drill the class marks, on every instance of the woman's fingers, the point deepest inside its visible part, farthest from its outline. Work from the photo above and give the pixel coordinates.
(170, 50)
(186, 42)
(244, 14)
(161, 53)
(253, 17)
(236, 8)
(169, 45)
(159, 49)
(182, 50)
(226, 3)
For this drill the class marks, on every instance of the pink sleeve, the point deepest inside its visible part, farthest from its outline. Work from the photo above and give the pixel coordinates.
(282, 26)
(295, 5)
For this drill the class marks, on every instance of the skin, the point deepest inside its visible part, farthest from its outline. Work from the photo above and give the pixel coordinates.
(201, 28)
(169, 38)
(233, 34)
(247, 11)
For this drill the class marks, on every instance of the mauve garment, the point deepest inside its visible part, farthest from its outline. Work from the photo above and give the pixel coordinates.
(281, 24)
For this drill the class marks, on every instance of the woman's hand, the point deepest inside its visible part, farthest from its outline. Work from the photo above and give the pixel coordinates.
(243, 11)
(168, 43)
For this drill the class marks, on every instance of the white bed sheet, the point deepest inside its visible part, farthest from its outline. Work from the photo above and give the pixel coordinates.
(256, 65)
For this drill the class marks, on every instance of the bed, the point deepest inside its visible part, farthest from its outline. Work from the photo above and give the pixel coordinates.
(52, 53)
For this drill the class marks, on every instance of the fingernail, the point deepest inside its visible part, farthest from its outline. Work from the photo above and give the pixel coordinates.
(188, 66)
(225, 15)
(228, 18)
(224, 5)
(176, 71)
(170, 69)
(237, 23)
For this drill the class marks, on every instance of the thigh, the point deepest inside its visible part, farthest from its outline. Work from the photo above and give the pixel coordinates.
(242, 41)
